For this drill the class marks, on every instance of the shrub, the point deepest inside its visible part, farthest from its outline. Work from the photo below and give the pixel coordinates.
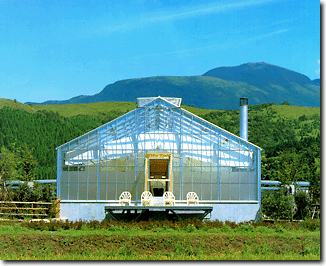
(311, 225)
(302, 202)
(278, 205)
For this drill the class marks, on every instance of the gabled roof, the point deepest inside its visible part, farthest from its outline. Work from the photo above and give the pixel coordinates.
(159, 120)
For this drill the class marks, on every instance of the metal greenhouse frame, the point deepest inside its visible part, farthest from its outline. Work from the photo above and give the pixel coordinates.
(216, 164)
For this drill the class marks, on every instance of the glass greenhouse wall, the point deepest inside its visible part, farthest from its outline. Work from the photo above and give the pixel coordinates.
(203, 158)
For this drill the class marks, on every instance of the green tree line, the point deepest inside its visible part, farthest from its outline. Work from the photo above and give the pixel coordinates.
(291, 146)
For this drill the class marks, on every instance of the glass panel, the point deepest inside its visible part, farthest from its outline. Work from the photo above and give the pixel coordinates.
(196, 176)
(252, 177)
(130, 176)
(244, 191)
(111, 191)
(253, 192)
(186, 188)
(234, 191)
(103, 191)
(206, 176)
(92, 191)
(73, 176)
(224, 192)
(92, 176)
(214, 191)
(186, 174)
(82, 192)
(64, 190)
(197, 188)
(140, 189)
(206, 192)
(120, 189)
(131, 187)
(244, 177)
(73, 190)
(234, 177)
(176, 190)
(64, 177)
(224, 177)
(82, 175)
(121, 176)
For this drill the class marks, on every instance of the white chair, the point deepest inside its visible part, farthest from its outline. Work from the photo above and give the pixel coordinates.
(168, 198)
(125, 197)
(192, 198)
(146, 198)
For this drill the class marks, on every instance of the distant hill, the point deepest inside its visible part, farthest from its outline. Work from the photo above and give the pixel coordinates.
(219, 88)
(316, 82)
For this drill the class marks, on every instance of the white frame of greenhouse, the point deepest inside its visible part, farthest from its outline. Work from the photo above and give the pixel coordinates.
(222, 168)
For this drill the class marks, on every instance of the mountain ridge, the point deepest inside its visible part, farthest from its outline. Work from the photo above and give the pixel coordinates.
(218, 88)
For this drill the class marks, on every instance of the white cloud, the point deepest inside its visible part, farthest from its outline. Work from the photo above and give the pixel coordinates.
(161, 17)
(190, 51)
(318, 70)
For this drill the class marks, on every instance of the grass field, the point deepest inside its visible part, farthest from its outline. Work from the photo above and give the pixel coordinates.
(193, 240)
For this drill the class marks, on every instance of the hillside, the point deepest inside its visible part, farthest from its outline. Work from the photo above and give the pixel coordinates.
(289, 135)
(218, 88)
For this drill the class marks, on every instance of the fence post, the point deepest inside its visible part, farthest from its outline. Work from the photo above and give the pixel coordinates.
(57, 208)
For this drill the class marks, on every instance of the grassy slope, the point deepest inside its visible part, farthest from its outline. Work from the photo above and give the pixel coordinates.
(160, 243)
(17, 105)
(68, 110)
(286, 111)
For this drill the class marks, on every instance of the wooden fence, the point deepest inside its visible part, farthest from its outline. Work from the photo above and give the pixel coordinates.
(20, 210)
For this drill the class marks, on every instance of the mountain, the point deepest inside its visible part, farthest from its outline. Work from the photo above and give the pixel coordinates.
(316, 82)
(219, 88)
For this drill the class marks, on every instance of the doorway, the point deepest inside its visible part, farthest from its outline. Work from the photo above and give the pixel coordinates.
(158, 176)
(158, 173)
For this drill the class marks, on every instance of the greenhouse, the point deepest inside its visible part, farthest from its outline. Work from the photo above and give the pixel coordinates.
(159, 147)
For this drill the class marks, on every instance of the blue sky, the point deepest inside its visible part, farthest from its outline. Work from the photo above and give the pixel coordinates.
(55, 50)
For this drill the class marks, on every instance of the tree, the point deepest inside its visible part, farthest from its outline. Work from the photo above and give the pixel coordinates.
(9, 165)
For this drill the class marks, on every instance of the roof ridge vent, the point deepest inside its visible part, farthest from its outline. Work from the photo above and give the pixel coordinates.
(143, 102)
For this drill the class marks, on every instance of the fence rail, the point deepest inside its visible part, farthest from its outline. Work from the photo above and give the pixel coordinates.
(21, 209)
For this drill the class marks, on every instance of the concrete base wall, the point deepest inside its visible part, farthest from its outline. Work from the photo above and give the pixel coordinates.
(233, 212)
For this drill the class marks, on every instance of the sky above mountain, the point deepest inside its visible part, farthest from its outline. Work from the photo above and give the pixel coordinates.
(55, 50)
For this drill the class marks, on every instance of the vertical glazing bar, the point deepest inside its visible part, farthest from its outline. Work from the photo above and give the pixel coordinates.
(201, 162)
(146, 174)
(218, 165)
(68, 178)
(145, 135)
(211, 151)
(239, 167)
(136, 151)
(88, 159)
(59, 172)
(77, 182)
(98, 168)
(124, 153)
(116, 160)
(171, 172)
(106, 162)
(192, 152)
(258, 174)
(180, 157)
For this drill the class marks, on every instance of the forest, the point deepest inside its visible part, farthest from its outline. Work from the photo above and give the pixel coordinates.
(288, 135)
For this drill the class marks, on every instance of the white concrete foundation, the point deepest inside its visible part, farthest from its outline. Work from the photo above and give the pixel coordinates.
(233, 212)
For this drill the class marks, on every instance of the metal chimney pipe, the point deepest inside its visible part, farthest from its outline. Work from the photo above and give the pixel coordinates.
(244, 118)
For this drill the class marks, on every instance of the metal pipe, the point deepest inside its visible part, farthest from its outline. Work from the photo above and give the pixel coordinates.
(244, 118)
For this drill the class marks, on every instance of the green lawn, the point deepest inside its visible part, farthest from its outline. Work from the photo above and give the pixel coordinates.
(159, 241)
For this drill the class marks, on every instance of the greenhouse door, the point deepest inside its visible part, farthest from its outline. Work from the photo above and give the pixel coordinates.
(158, 173)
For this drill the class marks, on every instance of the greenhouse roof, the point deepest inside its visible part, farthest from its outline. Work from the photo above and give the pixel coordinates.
(157, 123)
